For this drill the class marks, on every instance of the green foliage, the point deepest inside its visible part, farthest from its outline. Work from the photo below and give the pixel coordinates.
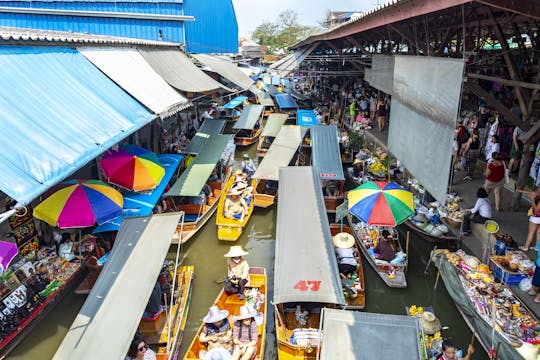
(282, 34)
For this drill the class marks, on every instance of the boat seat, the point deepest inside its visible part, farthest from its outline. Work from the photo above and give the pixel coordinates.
(153, 325)
(380, 262)
(210, 200)
(191, 217)
(255, 281)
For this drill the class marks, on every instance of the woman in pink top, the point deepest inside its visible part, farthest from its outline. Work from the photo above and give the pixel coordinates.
(245, 334)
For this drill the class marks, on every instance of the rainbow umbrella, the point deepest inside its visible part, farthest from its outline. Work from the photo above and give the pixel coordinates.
(80, 203)
(381, 203)
(132, 168)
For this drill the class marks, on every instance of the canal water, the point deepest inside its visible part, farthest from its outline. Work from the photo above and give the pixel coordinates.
(205, 252)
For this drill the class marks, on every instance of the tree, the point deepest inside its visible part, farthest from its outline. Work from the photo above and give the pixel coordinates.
(288, 18)
(266, 33)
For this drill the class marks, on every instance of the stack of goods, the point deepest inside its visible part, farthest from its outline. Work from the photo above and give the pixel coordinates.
(511, 267)
(453, 212)
(376, 167)
(505, 243)
(369, 235)
(429, 222)
(514, 321)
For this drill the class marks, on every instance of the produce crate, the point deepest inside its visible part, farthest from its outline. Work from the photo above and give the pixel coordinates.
(506, 276)
(454, 224)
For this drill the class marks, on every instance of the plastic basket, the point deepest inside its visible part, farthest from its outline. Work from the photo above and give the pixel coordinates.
(505, 276)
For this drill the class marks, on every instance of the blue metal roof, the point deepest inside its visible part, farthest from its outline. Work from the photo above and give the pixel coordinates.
(285, 101)
(58, 113)
(215, 29)
(234, 102)
(306, 118)
(325, 149)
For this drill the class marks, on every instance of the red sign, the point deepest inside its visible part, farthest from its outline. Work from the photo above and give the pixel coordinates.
(328, 175)
(305, 285)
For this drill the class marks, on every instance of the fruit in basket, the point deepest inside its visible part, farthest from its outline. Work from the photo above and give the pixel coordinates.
(471, 261)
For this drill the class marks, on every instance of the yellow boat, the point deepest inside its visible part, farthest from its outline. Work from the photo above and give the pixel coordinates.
(163, 339)
(255, 290)
(231, 229)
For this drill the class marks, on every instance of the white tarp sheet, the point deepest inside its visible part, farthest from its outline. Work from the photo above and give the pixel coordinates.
(425, 104)
(382, 73)
(226, 69)
(128, 68)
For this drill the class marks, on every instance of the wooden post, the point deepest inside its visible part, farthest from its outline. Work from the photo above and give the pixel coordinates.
(437, 279)
(407, 251)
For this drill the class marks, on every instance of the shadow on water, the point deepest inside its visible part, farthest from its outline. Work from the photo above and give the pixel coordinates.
(205, 252)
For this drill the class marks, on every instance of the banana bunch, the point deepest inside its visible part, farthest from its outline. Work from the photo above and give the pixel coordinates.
(377, 167)
(453, 206)
(429, 340)
(415, 310)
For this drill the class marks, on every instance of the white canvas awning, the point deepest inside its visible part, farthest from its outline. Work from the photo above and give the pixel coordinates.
(127, 68)
(106, 324)
(291, 62)
(226, 69)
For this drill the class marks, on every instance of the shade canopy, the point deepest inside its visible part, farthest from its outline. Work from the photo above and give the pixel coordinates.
(86, 114)
(208, 127)
(106, 324)
(127, 68)
(249, 117)
(196, 175)
(326, 155)
(285, 101)
(273, 124)
(292, 61)
(305, 264)
(180, 72)
(264, 98)
(353, 335)
(226, 69)
(306, 118)
(234, 102)
(281, 152)
(142, 204)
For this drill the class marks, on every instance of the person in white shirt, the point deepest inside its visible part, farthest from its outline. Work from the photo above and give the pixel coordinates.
(479, 213)
(492, 147)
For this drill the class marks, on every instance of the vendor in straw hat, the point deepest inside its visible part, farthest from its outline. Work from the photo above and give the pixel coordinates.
(358, 168)
(216, 331)
(237, 272)
(430, 323)
(235, 206)
(346, 254)
(449, 352)
(245, 334)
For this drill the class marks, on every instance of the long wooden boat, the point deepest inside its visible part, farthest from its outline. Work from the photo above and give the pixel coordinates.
(263, 145)
(332, 202)
(156, 332)
(380, 266)
(231, 229)
(256, 296)
(442, 242)
(247, 140)
(198, 215)
(262, 197)
(358, 302)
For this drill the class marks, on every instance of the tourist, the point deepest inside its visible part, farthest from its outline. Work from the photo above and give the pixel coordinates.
(245, 334)
(495, 178)
(352, 111)
(248, 166)
(237, 272)
(536, 279)
(479, 213)
(346, 254)
(372, 107)
(534, 219)
(492, 147)
(471, 152)
(381, 114)
(235, 206)
(138, 350)
(516, 149)
(449, 352)
(216, 331)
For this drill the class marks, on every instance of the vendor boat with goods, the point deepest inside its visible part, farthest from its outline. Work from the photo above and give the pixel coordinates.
(232, 110)
(249, 125)
(163, 330)
(353, 284)
(198, 190)
(230, 306)
(491, 309)
(235, 207)
(282, 152)
(430, 330)
(375, 208)
(306, 272)
(270, 132)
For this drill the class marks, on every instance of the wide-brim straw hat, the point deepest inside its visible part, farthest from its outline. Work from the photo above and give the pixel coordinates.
(234, 192)
(239, 185)
(246, 312)
(235, 251)
(430, 322)
(357, 161)
(215, 315)
(343, 240)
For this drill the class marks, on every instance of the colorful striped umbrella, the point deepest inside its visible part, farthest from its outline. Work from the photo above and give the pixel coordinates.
(381, 203)
(80, 203)
(132, 168)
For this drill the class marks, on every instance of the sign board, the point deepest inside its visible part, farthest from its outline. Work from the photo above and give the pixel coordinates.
(342, 210)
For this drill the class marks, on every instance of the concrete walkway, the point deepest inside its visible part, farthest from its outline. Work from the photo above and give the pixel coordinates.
(512, 223)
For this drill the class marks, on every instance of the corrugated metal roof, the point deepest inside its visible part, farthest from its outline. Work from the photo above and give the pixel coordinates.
(11, 34)
(273, 124)
(326, 155)
(226, 69)
(249, 117)
(97, 1)
(285, 101)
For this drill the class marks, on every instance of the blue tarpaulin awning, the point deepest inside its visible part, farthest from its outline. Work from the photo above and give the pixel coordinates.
(325, 149)
(306, 118)
(234, 102)
(142, 204)
(58, 113)
(285, 101)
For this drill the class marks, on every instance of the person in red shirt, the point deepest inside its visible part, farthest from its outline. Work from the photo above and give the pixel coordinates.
(495, 178)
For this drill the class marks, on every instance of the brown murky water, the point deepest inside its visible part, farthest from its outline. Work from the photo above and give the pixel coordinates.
(206, 253)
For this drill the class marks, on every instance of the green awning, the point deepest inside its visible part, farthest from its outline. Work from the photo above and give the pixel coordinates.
(274, 124)
(196, 175)
(249, 117)
(264, 98)
(208, 127)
